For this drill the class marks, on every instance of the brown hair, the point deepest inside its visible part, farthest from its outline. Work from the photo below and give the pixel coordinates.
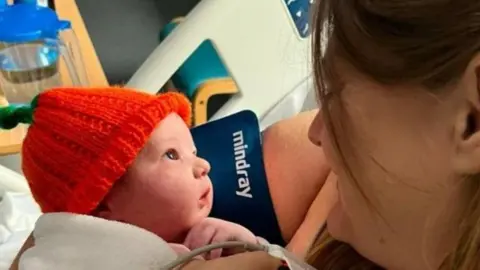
(423, 42)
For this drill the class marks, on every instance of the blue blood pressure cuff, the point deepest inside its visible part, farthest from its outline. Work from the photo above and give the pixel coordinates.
(233, 147)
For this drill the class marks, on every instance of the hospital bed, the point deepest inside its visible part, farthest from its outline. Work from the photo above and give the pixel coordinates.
(261, 44)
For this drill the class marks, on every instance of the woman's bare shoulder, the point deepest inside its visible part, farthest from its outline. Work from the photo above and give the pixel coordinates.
(296, 170)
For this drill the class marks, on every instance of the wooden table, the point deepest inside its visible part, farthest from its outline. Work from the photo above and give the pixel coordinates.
(11, 141)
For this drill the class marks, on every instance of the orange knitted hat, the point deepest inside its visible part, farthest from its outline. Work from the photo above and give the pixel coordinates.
(83, 140)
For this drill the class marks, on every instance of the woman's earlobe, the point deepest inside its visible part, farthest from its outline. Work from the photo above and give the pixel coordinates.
(467, 156)
(471, 126)
(467, 150)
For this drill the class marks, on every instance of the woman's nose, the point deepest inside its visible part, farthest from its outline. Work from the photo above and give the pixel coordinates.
(201, 168)
(316, 129)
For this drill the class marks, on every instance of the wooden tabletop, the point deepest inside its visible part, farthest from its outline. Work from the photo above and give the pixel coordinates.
(11, 141)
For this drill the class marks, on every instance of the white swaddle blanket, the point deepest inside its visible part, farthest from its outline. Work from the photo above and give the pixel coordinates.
(74, 242)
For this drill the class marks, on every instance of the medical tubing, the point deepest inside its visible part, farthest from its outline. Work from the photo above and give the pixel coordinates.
(196, 252)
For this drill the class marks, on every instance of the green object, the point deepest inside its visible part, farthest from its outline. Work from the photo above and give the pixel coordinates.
(14, 114)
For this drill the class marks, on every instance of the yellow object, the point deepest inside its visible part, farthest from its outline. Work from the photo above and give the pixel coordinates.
(205, 92)
(211, 84)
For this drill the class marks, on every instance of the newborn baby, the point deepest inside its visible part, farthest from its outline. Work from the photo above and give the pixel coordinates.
(121, 155)
(168, 192)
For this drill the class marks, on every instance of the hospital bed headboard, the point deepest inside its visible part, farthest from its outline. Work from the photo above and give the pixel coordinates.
(12, 181)
(260, 41)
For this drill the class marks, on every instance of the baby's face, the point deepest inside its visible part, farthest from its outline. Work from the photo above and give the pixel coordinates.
(167, 190)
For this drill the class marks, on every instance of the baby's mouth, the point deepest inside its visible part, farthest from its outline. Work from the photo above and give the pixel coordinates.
(205, 194)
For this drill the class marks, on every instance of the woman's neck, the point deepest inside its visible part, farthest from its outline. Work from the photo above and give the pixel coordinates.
(439, 235)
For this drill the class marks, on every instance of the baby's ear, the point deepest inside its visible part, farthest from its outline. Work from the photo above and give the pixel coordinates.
(103, 211)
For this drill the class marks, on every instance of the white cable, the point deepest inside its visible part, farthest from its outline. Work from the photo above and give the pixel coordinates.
(233, 244)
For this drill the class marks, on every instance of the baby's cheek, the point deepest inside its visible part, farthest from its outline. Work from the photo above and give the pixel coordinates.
(183, 207)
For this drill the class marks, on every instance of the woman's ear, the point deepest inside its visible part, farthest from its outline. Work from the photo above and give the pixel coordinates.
(467, 126)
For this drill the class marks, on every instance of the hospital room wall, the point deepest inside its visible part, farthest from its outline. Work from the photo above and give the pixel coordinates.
(121, 21)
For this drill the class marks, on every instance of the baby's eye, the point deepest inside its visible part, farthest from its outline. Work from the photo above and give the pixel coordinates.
(172, 154)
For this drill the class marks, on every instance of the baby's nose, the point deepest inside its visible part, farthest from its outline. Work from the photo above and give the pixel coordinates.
(201, 168)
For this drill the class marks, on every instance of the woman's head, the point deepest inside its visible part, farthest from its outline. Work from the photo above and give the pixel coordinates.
(400, 123)
(167, 189)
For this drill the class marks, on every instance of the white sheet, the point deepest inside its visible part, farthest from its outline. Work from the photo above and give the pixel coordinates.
(76, 242)
(18, 214)
(11, 180)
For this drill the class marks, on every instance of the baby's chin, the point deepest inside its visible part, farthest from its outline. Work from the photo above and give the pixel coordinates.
(205, 203)
(205, 208)
(200, 212)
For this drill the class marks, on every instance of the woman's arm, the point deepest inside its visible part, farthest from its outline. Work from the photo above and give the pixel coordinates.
(28, 244)
(296, 170)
